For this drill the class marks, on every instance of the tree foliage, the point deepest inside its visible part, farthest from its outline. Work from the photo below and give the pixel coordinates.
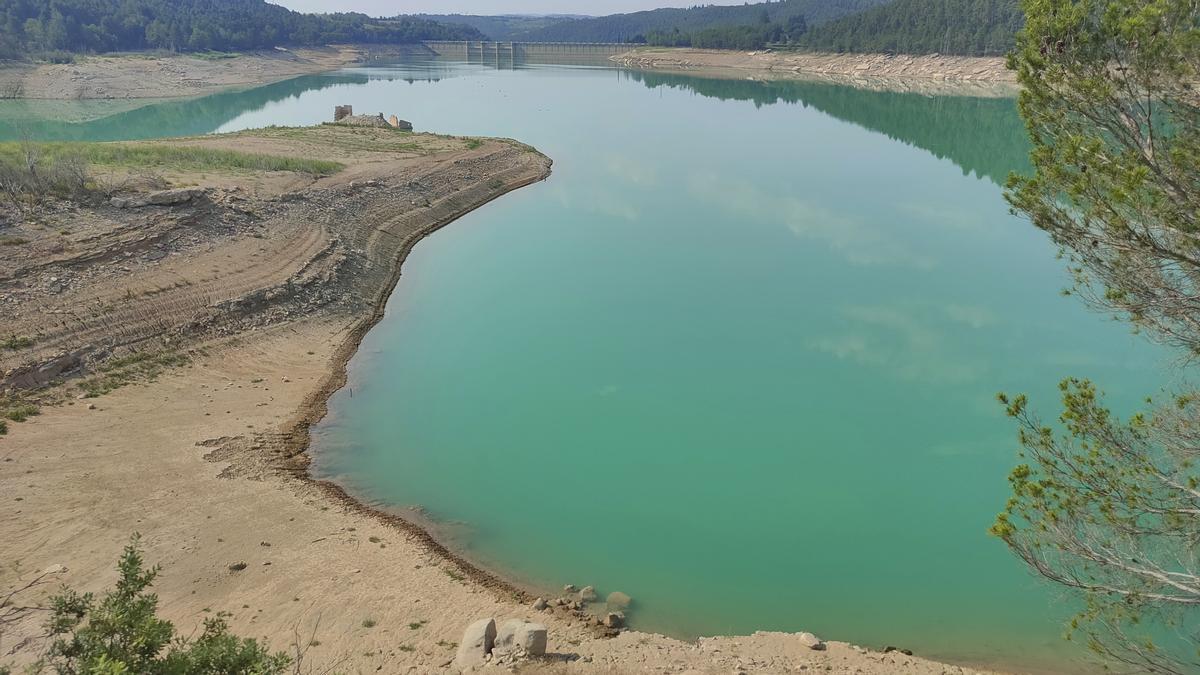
(636, 26)
(1106, 507)
(962, 27)
(120, 633)
(754, 36)
(35, 26)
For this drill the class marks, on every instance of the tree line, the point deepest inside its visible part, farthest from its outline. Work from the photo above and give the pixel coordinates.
(755, 36)
(97, 26)
(963, 27)
(639, 26)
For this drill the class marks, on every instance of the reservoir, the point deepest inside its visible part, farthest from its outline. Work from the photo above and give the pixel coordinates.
(737, 357)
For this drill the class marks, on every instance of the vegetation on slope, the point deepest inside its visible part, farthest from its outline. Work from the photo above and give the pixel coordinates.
(637, 25)
(505, 27)
(48, 26)
(122, 633)
(755, 36)
(965, 27)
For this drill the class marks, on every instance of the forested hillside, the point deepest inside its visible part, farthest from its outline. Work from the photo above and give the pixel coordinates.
(504, 27)
(639, 25)
(971, 27)
(31, 27)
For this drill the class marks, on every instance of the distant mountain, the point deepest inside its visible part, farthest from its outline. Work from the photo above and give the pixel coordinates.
(32, 27)
(970, 27)
(503, 28)
(628, 27)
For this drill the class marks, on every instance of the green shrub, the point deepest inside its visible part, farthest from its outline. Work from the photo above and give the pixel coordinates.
(120, 633)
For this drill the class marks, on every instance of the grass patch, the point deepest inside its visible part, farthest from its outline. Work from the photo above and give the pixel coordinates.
(134, 368)
(407, 648)
(3, 427)
(454, 574)
(15, 408)
(368, 623)
(162, 156)
(347, 138)
(16, 342)
(21, 412)
(416, 625)
(446, 644)
(473, 143)
(9, 240)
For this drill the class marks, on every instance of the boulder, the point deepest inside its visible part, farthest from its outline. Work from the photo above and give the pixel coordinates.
(477, 642)
(618, 601)
(520, 636)
(614, 620)
(587, 594)
(506, 633)
(540, 604)
(531, 638)
(171, 197)
(811, 641)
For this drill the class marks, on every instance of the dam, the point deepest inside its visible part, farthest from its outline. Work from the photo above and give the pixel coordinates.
(508, 53)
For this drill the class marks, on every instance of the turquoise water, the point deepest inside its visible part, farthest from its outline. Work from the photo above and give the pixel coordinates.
(736, 358)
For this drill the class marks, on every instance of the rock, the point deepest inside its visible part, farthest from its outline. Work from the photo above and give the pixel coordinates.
(618, 601)
(889, 649)
(811, 641)
(540, 604)
(614, 620)
(521, 637)
(506, 634)
(569, 588)
(587, 594)
(531, 638)
(476, 645)
(169, 197)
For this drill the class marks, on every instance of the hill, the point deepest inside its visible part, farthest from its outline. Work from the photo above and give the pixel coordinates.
(631, 27)
(505, 27)
(966, 27)
(32, 27)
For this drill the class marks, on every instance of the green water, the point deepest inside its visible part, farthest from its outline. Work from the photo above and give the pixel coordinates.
(736, 358)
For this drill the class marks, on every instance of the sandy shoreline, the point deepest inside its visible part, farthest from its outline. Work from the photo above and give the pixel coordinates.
(161, 76)
(268, 282)
(933, 74)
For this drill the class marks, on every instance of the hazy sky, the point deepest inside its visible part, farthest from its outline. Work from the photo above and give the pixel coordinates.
(393, 7)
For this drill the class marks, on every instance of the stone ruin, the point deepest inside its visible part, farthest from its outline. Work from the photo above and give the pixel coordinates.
(344, 114)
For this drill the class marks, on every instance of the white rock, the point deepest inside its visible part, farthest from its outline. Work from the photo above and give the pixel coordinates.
(811, 641)
(476, 644)
(618, 601)
(531, 638)
(506, 634)
(587, 594)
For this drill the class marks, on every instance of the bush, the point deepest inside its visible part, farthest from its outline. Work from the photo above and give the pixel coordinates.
(121, 633)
